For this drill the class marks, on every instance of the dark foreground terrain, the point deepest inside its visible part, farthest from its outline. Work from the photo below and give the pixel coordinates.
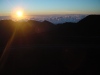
(42, 48)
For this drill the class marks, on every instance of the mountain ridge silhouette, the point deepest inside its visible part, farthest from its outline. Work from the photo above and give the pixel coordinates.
(35, 48)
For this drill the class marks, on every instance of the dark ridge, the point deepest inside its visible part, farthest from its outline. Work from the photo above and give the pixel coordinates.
(42, 48)
(47, 22)
(90, 25)
(91, 19)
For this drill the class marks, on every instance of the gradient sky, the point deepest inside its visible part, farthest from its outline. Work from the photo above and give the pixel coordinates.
(38, 7)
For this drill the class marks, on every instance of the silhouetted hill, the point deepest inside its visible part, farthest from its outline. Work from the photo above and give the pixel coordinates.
(90, 25)
(91, 19)
(42, 48)
(47, 23)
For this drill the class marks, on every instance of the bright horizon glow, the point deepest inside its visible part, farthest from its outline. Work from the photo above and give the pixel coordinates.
(47, 7)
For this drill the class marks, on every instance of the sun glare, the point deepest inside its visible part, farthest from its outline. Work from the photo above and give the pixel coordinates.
(19, 14)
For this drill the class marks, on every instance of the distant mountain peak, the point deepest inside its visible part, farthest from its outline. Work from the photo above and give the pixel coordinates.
(47, 22)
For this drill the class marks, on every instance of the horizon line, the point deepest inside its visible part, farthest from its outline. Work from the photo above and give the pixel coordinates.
(52, 14)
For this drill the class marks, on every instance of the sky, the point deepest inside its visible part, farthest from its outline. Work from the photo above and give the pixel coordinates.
(46, 7)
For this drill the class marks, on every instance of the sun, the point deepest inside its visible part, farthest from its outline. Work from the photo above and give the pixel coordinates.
(19, 14)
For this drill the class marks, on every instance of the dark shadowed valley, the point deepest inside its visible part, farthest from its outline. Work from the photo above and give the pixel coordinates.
(42, 48)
